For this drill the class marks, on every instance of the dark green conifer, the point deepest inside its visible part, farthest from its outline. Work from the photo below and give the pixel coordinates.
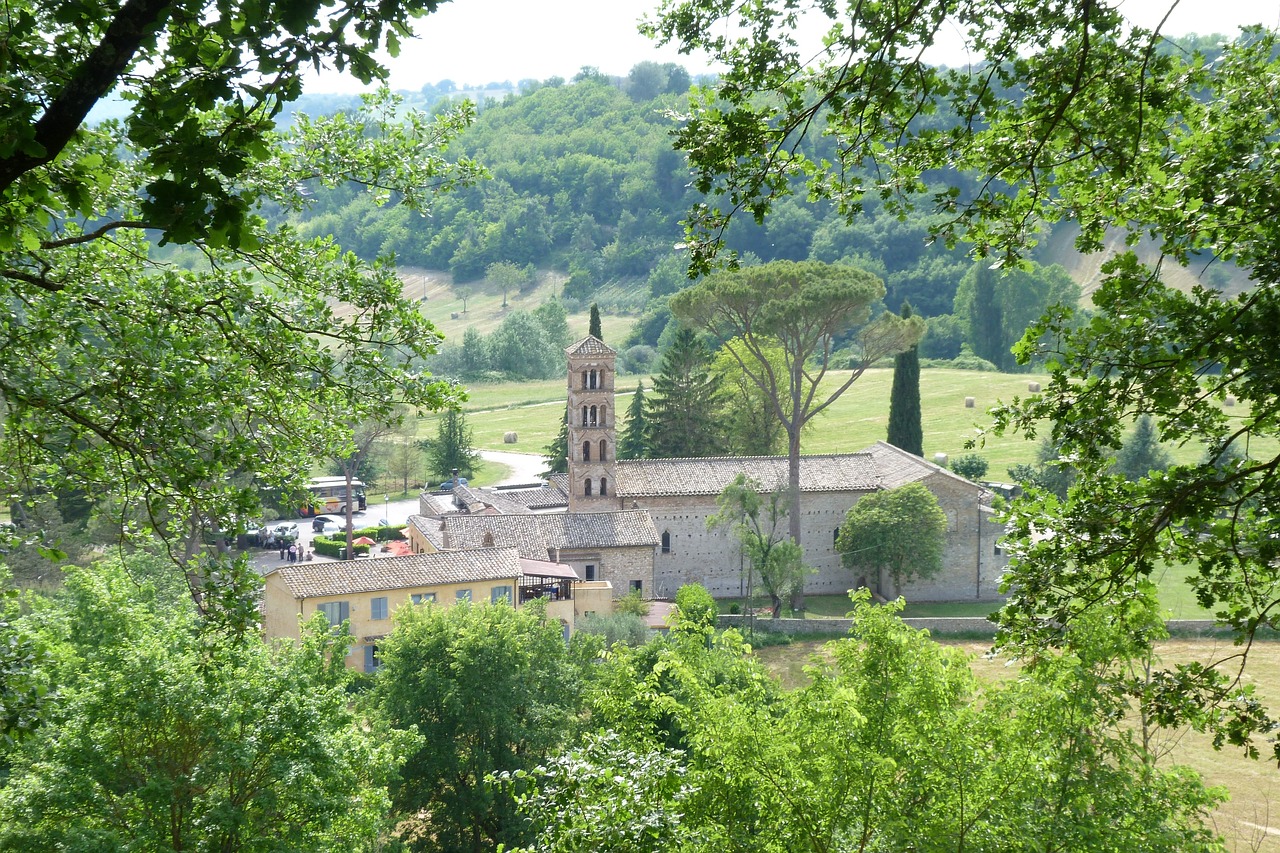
(905, 428)
(683, 415)
(631, 444)
(594, 328)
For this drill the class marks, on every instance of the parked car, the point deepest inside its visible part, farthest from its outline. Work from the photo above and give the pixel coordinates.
(318, 523)
(448, 485)
(285, 533)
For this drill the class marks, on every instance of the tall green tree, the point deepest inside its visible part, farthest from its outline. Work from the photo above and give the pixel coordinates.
(506, 275)
(489, 688)
(1141, 453)
(752, 427)
(905, 428)
(632, 444)
(1001, 305)
(168, 738)
(986, 322)
(901, 532)
(800, 308)
(127, 372)
(682, 415)
(1069, 113)
(757, 520)
(557, 452)
(453, 447)
(593, 327)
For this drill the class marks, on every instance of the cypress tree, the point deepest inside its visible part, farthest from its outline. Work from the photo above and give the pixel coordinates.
(905, 429)
(594, 328)
(682, 419)
(631, 444)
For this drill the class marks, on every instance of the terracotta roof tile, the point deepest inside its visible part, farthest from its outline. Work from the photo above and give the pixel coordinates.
(830, 473)
(590, 345)
(540, 536)
(351, 577)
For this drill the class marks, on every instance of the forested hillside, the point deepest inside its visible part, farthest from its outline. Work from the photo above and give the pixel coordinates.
(586, 186)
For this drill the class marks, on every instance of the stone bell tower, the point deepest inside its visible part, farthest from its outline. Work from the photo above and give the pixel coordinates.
(592, 436)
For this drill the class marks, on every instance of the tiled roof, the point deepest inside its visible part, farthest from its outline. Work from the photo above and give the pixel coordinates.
(351, 577)
(590, 345)
(543, 496)
(429, 527)
(540, 536)
(897, 467)
(840, 472)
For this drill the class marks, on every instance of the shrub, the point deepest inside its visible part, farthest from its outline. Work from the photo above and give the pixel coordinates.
(971, 466)
(627, 628)
(632, 603)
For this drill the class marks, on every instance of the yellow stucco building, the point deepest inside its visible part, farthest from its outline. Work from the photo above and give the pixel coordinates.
(366, 592)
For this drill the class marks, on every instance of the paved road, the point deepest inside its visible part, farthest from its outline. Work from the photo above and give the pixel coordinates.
(524, 467)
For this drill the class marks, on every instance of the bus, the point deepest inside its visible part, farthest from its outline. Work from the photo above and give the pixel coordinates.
(329, 495)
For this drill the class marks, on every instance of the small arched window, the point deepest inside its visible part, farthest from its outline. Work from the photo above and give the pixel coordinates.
(586, 451)
(584, 380)
(594, 377)
(584, 416)
(604, 456)
(666, 542)
(593, 417)
(604, 485)
(586, 487)
(603, 419)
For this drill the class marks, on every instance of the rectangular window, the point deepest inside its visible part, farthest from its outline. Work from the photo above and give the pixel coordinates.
(371, 661)
(378, 608)
(336, 612)
(500, 595)
(422, 597)
(591, 572)
(462, 595)
(637, 586)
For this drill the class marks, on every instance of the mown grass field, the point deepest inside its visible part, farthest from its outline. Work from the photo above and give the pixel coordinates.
(1248, 821)
(859, 418)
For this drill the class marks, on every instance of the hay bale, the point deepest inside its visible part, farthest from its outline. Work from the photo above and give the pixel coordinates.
(510, 438)
(1033, 387)
(968, 402)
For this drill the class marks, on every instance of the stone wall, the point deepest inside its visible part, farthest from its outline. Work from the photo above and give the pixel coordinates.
(975, 626)
(972, 626)
(971, 564)
(618, 566)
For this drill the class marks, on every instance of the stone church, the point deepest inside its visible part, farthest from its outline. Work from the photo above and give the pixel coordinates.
(680, 494)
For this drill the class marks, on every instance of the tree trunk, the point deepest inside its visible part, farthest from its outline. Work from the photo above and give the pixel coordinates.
(794, 425)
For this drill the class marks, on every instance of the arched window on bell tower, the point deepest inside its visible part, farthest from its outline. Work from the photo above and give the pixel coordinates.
(586, 487)
(586, 451)
(604, 456)
(604, 486)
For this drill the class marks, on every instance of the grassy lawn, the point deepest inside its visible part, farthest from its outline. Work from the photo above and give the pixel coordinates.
(859, 418)
(1248, 821)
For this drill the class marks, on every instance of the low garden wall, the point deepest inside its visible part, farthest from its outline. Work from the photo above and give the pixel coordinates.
(964, 626)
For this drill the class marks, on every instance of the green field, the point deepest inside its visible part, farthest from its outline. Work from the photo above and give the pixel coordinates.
(859, 418)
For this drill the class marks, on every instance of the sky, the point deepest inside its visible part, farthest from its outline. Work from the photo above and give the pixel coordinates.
(481, 41)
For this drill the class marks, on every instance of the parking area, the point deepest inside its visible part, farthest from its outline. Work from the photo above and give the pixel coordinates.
(267, 557)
